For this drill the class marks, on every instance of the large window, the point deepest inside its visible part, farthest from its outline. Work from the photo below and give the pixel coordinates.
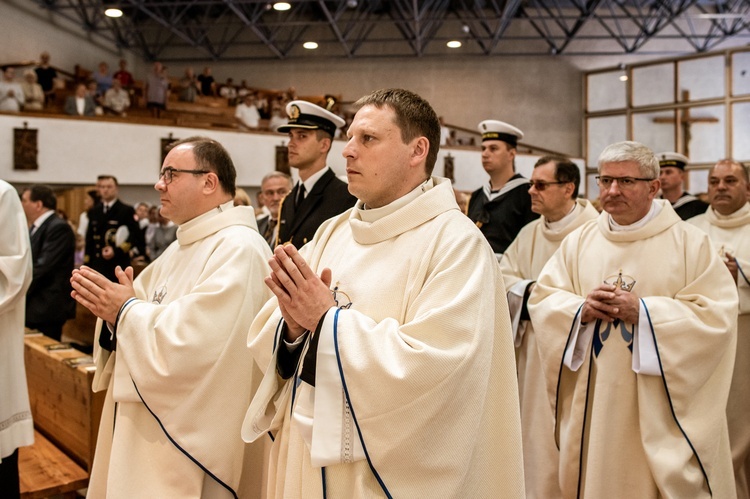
(697, 105)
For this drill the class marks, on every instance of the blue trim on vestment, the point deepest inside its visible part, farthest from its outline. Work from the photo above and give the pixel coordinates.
(205, 470)
(351, 406)
(669, 398)
(562, 364)
(741, 272)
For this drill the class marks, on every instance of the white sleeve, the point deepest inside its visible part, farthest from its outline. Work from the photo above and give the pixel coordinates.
(645, 358)
(581, 336)
(335, 438)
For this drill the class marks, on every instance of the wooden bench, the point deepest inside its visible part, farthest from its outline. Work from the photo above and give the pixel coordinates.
(62, 404)
(44, 471)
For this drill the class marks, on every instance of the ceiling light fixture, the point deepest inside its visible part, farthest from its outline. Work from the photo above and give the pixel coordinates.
(454, 44)
(280, 6)
(113, 12)
(310, 45)
(723, 15)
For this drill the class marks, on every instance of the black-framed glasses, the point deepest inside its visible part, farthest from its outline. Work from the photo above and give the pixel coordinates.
(624, 182)
(540, 185)
(168, 172)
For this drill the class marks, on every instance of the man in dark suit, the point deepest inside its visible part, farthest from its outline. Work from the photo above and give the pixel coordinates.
(112, 231)
(53, 245)
(273, 189)
(318, 195)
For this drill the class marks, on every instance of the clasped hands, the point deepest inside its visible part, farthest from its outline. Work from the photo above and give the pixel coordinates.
(100, 295)
(303, 296)
(608, 303)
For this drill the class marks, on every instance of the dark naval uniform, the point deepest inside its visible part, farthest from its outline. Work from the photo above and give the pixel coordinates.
(689, 206)
(103, 231)
(329, 197)
(501, 218)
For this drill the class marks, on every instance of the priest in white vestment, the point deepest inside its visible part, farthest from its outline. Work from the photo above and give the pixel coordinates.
(635, 320)
(392, 370)
(175, 364)
(554, 192)
(16, 426)
(727, 222)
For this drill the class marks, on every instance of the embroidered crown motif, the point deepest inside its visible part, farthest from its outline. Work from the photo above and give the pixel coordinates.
(624, 282)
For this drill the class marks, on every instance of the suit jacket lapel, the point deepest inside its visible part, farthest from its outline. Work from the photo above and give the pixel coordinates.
(312, 200)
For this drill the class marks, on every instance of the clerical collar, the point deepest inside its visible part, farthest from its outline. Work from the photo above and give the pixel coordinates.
(652, 213)
(42, 218)
(742, 212)
(566, 220)
(373, 214)
(209, 214)
(313, 179)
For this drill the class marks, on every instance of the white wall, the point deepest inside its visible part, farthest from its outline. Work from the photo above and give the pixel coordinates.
(26, 30)
(74, 151)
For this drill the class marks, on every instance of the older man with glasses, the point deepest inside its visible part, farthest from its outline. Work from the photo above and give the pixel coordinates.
(554, 195)
(635, 319)
(173, 354)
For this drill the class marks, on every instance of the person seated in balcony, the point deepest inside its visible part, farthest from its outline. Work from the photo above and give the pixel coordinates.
(116, 100)
(11, 93)
(229, 92)
(32, 92)
(247, 113)
(80, 104)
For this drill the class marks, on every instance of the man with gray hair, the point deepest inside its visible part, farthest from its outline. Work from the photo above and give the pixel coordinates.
(727, 223)
(273, 189)
(635, 319)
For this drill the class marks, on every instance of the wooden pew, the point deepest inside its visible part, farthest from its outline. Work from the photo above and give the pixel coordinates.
(63, 406)
(44, 471)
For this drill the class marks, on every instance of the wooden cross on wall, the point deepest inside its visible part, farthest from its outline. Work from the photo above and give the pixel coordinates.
(686, 121)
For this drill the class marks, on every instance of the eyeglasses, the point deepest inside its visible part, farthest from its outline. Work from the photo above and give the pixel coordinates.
(624, 182)
(540, 186)
(282, 191)
(168, 172)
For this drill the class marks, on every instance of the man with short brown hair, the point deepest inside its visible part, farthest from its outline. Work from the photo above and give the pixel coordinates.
(391, 372)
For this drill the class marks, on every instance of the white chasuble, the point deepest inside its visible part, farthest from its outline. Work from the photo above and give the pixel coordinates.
(521, 264)
(181, 377)
(16, 425)
(731, 237)
(624, 434)
(422, 357)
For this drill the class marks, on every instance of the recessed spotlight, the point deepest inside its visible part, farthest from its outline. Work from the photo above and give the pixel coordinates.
(113, 12)
(623, 77)
(281, 6)
(310, 45)
(454, 44)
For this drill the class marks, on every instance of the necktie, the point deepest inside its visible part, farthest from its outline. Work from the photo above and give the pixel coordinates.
(106, 208)
(32, 229)
(300, 194)
(269, 234)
